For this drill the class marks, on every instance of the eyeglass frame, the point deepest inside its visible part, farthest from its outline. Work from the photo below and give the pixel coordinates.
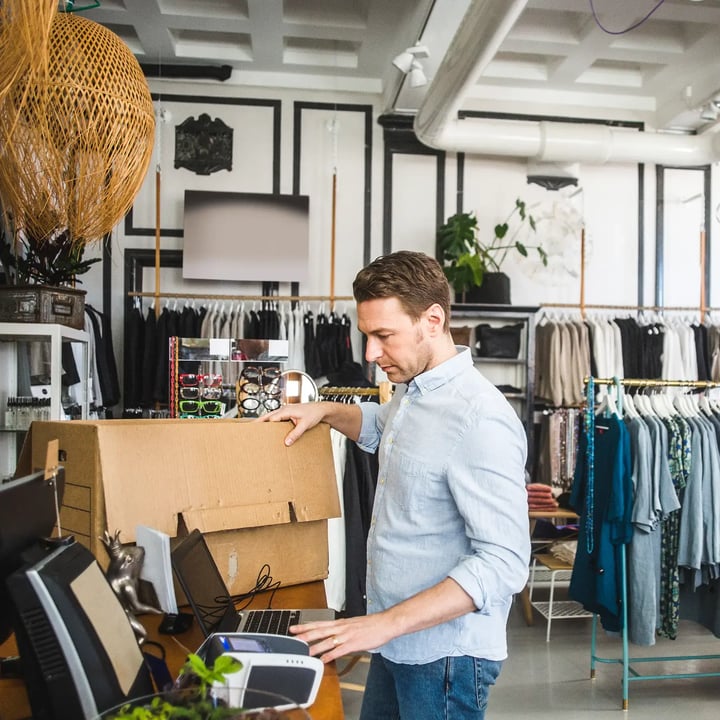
(201, 405)
(201, 379)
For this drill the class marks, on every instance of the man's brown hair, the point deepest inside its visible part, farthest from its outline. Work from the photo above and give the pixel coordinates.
(414, 278)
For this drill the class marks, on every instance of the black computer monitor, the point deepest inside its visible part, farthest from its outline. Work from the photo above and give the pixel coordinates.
(28, 512)
(78, 653)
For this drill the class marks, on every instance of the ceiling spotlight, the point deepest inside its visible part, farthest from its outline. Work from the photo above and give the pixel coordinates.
(404, 61)
(709, 112)
(416, 75)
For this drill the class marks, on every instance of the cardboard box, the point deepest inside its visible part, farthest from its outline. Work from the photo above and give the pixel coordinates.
(256, 500)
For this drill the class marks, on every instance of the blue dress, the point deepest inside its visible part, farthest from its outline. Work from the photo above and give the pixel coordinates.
(605, 509)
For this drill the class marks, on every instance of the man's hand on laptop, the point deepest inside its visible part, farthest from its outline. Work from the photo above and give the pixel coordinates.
(332, 639)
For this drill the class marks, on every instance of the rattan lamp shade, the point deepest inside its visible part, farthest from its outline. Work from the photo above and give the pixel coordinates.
(24, 31)
(76, 135)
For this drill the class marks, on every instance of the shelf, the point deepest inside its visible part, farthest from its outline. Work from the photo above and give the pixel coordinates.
(499, 361)
(14, 337)
(26, 332)
(561, 610)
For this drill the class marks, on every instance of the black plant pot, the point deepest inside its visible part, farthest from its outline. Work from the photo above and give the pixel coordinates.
(495, 289)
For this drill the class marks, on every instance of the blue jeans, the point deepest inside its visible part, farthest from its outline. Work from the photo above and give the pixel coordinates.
(452, 688)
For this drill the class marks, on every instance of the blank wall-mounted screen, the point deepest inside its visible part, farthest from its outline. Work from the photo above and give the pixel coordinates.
(246, 236)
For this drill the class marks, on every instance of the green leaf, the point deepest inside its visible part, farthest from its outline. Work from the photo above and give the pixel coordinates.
(521, 248)
(226, 665)
(501, 230)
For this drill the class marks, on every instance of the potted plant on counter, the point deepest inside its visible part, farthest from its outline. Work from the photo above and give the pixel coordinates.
(195, 696)
(473, 266)
(40, 278)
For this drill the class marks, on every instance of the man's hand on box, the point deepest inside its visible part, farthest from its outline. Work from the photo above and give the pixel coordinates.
(303, 417)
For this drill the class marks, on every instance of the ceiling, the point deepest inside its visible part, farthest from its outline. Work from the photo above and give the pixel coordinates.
(555, 60)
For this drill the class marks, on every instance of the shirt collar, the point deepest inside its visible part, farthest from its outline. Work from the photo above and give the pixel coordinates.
(444, 372)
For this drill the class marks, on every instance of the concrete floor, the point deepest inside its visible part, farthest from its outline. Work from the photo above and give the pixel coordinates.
(551, 680)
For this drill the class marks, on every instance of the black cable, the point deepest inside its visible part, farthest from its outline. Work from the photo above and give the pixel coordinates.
(263, 583)
(627, 29)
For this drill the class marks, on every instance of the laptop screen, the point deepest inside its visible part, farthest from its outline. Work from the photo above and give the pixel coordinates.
(204, 587)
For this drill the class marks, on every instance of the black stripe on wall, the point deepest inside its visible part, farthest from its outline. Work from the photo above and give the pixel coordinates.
(366, 110)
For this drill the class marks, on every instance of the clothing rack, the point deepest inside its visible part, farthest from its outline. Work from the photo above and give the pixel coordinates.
(383, 391)
(703, 310)
(209, 296)
(629, 673)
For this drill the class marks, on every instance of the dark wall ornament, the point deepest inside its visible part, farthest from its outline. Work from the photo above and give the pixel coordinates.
(203, 145)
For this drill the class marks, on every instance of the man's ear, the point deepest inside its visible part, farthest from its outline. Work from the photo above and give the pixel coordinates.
(435, 318)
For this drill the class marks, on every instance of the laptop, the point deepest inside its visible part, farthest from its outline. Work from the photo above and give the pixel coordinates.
(200, 579)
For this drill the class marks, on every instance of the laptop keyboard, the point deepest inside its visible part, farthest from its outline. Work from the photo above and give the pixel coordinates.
(274, 622)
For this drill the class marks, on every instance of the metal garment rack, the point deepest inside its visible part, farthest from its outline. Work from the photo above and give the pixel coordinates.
(629, 673)
(383, 391)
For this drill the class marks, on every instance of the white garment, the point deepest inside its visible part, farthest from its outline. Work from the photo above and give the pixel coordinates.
(335, 581)
(673, 367)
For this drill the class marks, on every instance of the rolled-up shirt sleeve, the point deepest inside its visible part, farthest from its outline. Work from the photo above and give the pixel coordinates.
(373, 422)
(487, 478)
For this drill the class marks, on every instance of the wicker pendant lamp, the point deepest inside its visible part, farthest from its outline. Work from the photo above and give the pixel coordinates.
(76, 134)
(24, 31)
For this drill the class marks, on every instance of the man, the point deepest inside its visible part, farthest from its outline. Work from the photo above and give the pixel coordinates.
(449, 543)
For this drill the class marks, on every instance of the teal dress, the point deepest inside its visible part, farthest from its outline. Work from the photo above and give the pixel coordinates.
(604, 504)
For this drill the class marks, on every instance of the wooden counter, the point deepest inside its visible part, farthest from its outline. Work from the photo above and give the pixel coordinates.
(328, 706)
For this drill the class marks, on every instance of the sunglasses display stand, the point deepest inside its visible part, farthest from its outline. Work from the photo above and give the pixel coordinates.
(212, 378)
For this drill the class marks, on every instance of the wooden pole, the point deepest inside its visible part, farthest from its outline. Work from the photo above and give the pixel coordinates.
(582, 272)
(332, 239)
(157, 241)
(703, 250)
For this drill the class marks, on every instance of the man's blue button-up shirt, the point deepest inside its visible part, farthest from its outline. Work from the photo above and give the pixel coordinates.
(450, 502)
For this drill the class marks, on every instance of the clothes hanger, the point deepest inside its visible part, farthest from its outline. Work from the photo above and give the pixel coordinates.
(629, 406)
(658, 405)
(607, 405)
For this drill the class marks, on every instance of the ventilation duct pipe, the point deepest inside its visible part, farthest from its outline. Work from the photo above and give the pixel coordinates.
(483, 29)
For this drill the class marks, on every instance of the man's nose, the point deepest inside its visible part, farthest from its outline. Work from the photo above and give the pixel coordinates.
(372, 350)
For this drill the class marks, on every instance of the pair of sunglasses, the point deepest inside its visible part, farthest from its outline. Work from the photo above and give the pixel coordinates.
(201, 407)
(252, 404)
(257, 374)
(200, 380)
(197, 392)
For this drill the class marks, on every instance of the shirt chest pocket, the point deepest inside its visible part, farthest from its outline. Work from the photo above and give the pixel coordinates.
(415, 484)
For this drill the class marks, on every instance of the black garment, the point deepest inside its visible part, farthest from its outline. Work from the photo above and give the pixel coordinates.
(104, 358)
(593, 363)
(149, 358)
(188, 323)
(70, 375)
(161, 370)
(359, 481)
(134, 336)
(630, 342)
(310, 348)
(701, 352)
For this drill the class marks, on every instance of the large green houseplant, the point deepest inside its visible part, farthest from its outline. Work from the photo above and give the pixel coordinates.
(468, 261)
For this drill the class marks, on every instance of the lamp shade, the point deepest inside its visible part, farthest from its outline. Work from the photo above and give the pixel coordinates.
(77, 135)
(404, 61)
(417, 76)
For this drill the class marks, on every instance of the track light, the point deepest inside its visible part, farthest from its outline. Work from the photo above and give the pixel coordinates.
(404, 61)
(416, 75)
(709, 112)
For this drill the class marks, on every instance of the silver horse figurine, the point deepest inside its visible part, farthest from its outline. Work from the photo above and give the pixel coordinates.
(123, 573)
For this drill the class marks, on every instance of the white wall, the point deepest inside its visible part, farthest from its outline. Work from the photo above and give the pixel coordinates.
(333, 139)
